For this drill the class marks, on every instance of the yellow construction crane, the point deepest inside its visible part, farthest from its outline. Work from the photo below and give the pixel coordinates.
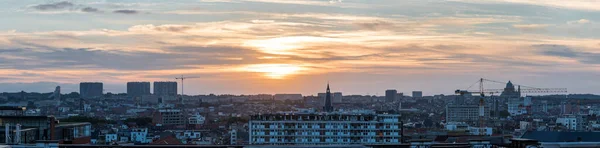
(183, 78)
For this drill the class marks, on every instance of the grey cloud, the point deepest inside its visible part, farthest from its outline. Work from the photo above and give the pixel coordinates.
(568, 52)
(177, 57)
(54, 6)
(375, 25)
(90, 9)
(557, 50)
(126, 11)
(65, 5)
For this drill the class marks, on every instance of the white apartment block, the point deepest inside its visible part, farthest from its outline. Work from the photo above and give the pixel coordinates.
(571, 122)
(465, 113)
(334, 128)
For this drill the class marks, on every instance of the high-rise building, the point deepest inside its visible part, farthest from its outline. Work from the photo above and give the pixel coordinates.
(417, 94)
(137, 89)
(165, 88)
(333, 128)
(390, 95)
(88, 90)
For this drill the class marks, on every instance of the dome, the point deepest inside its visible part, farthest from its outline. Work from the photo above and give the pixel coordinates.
(509, 85)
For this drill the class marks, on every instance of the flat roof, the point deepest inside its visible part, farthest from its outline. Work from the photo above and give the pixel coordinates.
(63, 124)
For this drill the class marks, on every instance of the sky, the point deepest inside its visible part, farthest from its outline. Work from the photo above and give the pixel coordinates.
(298, 46)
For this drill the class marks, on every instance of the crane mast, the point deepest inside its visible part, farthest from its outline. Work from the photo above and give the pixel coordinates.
(183, 78)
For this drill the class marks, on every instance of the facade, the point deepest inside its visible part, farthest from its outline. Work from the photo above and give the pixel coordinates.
(233, 137)
(165, 88)
(390, 95)
(168, 117)
(33, 128)
(465, 113)
(288, 96)
(337, 97)
(139, 135)
(417, 94)
(138, 89)
(516, 106)
(108, 138)
(90, 90)
(487, 131)
(572, 122)
(196, 119)
(334, 128)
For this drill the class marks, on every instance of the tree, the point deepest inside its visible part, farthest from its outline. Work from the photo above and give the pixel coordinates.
(428, 122)
(142, 121)
(504, 114)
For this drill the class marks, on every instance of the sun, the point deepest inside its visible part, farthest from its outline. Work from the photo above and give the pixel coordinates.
(274, 71)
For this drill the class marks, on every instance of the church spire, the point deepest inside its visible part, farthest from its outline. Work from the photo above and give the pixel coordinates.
(328, 107)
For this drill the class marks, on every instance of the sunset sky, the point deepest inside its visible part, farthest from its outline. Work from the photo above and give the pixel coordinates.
(297, 46)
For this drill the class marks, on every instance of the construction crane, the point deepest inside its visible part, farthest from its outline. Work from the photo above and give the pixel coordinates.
(482, 92)
(525, 89)
(183, 78)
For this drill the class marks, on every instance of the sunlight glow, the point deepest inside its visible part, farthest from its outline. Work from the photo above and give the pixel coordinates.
(284, 45)
(274, 71)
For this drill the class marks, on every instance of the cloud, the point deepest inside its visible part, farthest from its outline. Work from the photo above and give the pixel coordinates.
(581, 21)
(126, 11)
(90, 9)
(54, 6)
(63, 7)
(568, 52)
(531, 27)
(587, 5)
(375, 25)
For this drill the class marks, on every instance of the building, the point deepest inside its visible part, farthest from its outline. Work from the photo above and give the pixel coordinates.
(516, 106)
(139, 135)
(510, 91)
(549, 139)
(333, 128)
(417, 94)
(168, 117)
(138, 89)
(486, 131)
(391, 95)
(90, 90)
(30, 129)
(336, 98)
(328, 107)
(233, 137)
(292, 97)
(56, 95)
(465, 113)
(572, 122)
(165, 88)
(196, 120)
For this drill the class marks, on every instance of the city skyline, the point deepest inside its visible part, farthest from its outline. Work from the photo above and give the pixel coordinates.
(279, 46)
